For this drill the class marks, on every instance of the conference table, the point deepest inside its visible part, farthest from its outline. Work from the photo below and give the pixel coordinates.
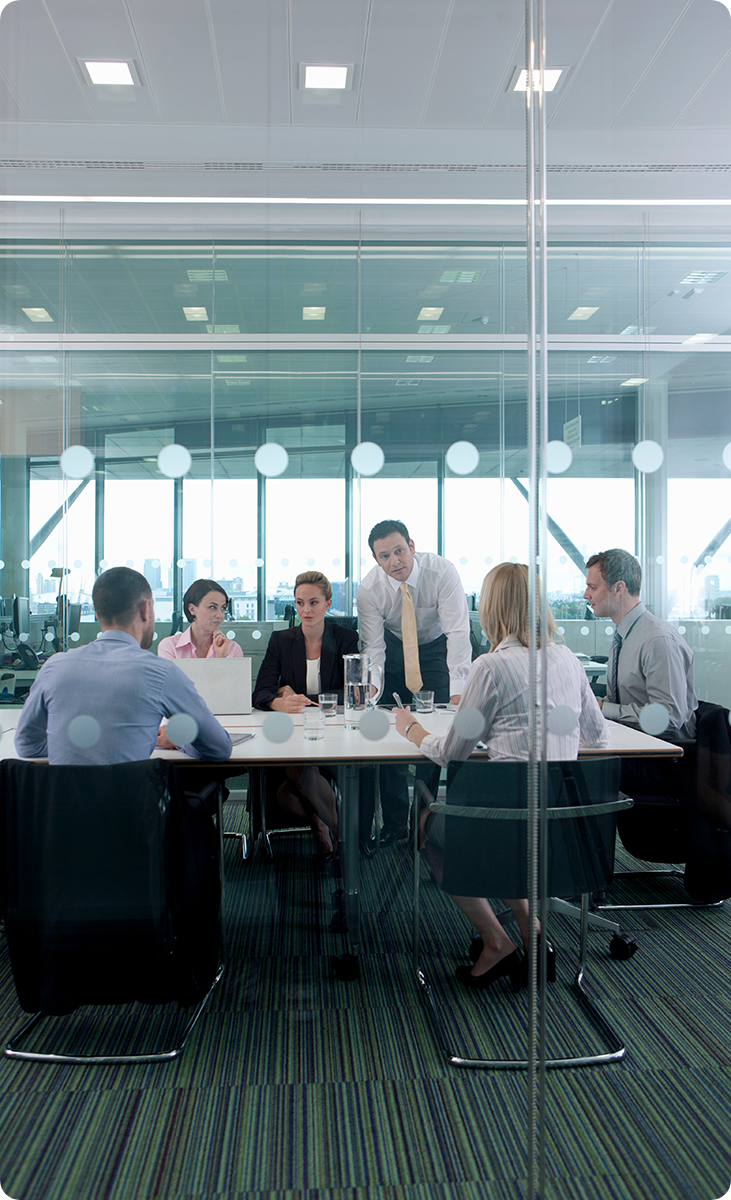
(345, 751)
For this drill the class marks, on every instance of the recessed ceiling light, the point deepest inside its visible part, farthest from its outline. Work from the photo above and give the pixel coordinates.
(702, 277)
(633, 382)
(434, 328)
(223, 329)
(697, 338)
(430, 314)
(195, 314)
(582, 314)
(326, 77)
(601, 358)
(425, 358)
(229, 358)
(41, 358)
(37, 314)
(551, 76)
(207, 276)
(237, 382)
(460, 276)
(109, 74)
(310, 313)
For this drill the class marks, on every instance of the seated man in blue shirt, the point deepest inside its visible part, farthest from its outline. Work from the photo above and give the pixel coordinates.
(103, 703)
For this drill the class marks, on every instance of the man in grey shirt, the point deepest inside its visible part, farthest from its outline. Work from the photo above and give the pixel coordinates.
(103, 703)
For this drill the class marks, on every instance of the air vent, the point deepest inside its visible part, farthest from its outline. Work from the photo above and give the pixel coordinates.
(71, 164)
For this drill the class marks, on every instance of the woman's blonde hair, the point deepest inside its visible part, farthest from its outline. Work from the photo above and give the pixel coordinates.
(503, 606)
(317, 579)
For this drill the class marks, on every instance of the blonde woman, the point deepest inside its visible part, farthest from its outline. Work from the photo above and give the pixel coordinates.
(498, 688)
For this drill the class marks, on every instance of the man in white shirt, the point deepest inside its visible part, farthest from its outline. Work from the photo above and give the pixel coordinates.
(404, 590)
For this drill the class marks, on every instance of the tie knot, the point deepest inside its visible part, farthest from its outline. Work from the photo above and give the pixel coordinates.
(404, 587)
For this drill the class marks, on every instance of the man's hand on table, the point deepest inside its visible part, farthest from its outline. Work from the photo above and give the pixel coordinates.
(455, 699)
(163, 741)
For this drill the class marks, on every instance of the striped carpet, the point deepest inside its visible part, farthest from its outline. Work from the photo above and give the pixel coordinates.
(297, 1086)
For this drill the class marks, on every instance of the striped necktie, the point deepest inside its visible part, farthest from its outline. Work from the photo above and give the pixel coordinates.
(612, 685)
(412, 671)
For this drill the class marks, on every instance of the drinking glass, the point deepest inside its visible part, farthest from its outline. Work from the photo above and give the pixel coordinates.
(328, 704)
(423, 702)
(313, 722)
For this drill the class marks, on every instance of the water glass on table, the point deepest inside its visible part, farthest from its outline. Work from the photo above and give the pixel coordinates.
(313, 722)
(423, 702)
(328, 705)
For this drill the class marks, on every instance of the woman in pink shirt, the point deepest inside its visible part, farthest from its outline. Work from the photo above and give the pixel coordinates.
(205, 605)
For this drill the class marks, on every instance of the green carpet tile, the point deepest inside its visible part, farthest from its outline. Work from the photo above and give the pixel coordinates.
(298, 1086)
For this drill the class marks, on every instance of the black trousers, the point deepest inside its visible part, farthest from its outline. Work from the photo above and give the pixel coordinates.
(435, 677)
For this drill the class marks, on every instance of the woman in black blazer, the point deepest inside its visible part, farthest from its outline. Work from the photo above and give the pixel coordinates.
(298, 665)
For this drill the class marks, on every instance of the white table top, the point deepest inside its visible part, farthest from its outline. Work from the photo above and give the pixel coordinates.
(348, 745)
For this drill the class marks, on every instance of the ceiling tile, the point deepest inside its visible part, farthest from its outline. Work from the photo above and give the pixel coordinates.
(176, 47)
(254, 57)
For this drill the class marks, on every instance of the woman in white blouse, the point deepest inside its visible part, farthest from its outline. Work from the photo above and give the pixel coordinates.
(498, 689)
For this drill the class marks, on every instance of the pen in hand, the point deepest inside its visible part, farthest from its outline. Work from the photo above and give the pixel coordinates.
(397, 698)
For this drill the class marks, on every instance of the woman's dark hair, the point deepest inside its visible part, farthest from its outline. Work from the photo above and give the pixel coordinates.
(197, 590)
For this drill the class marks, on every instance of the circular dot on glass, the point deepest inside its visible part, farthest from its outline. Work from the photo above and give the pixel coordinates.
(367, 458)
(463, 458)
(180, 562)
(285, 562)
(727, 629)
(271, 459)
(23, 637)
(660, 560)
(647, 456)
(685, 560)
(277, 727)
(103, 564)
(562, 720)
(336, 562)
(463, 561)
(654, 719)
(233, 562)
(584, 630)
(727, 456)
(77, 462)
(155, 562)
(374, 724)
(84, 732)
(310, 562)
(609, 630)
(256, 634)
(231, 635)
(705, 629)
(174, 461)
(513, 558)
(73, 637)
(363, 561)
(154, 636)
(206, 562)
(78, 564)
(25, 564)
(559, 457)
(130, 562)
(561, 630)
(182, 728)
(51, 563)
(259, 562)
(2, 564)
(488, 561)
(681, 629)
(563, 559)
(469, 723)
(50, 635)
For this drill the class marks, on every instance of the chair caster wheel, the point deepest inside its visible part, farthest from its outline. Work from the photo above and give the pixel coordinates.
(346, 966)
(622, 946)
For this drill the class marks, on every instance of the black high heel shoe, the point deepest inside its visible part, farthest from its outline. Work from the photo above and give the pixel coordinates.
(511, 965)
(475, 951)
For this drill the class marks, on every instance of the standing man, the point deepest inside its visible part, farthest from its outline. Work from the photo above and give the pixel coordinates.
(414, 624)
(649, 663)
(114, 681)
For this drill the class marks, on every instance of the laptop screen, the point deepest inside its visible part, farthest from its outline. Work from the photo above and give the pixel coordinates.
(224, 683)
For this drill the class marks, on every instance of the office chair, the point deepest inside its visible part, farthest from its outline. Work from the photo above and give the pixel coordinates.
(485, 854)
(694, 830)
(111, 892)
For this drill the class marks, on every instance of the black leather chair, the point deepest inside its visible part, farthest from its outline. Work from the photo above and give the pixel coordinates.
(485, 853)
(693, 825)
(111, 892)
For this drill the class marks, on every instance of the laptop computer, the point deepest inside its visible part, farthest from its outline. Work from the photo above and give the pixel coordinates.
(224, 683)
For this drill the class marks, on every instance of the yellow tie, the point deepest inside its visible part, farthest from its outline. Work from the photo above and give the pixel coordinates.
(412, 671)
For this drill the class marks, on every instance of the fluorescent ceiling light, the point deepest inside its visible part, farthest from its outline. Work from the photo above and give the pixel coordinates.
(633, 382)
(419, 358)
(195, 314)
(41, 358)
(601, 358)
(460, 276)
(582, 314)
(223, 329)
(434, 328)
(204, 276)
(551, 77)
(229, 358)
(325, 78)
(697, 338)
(702, 277)
(430, 314)
(310, 313)
(105, 74)
(37, 314)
